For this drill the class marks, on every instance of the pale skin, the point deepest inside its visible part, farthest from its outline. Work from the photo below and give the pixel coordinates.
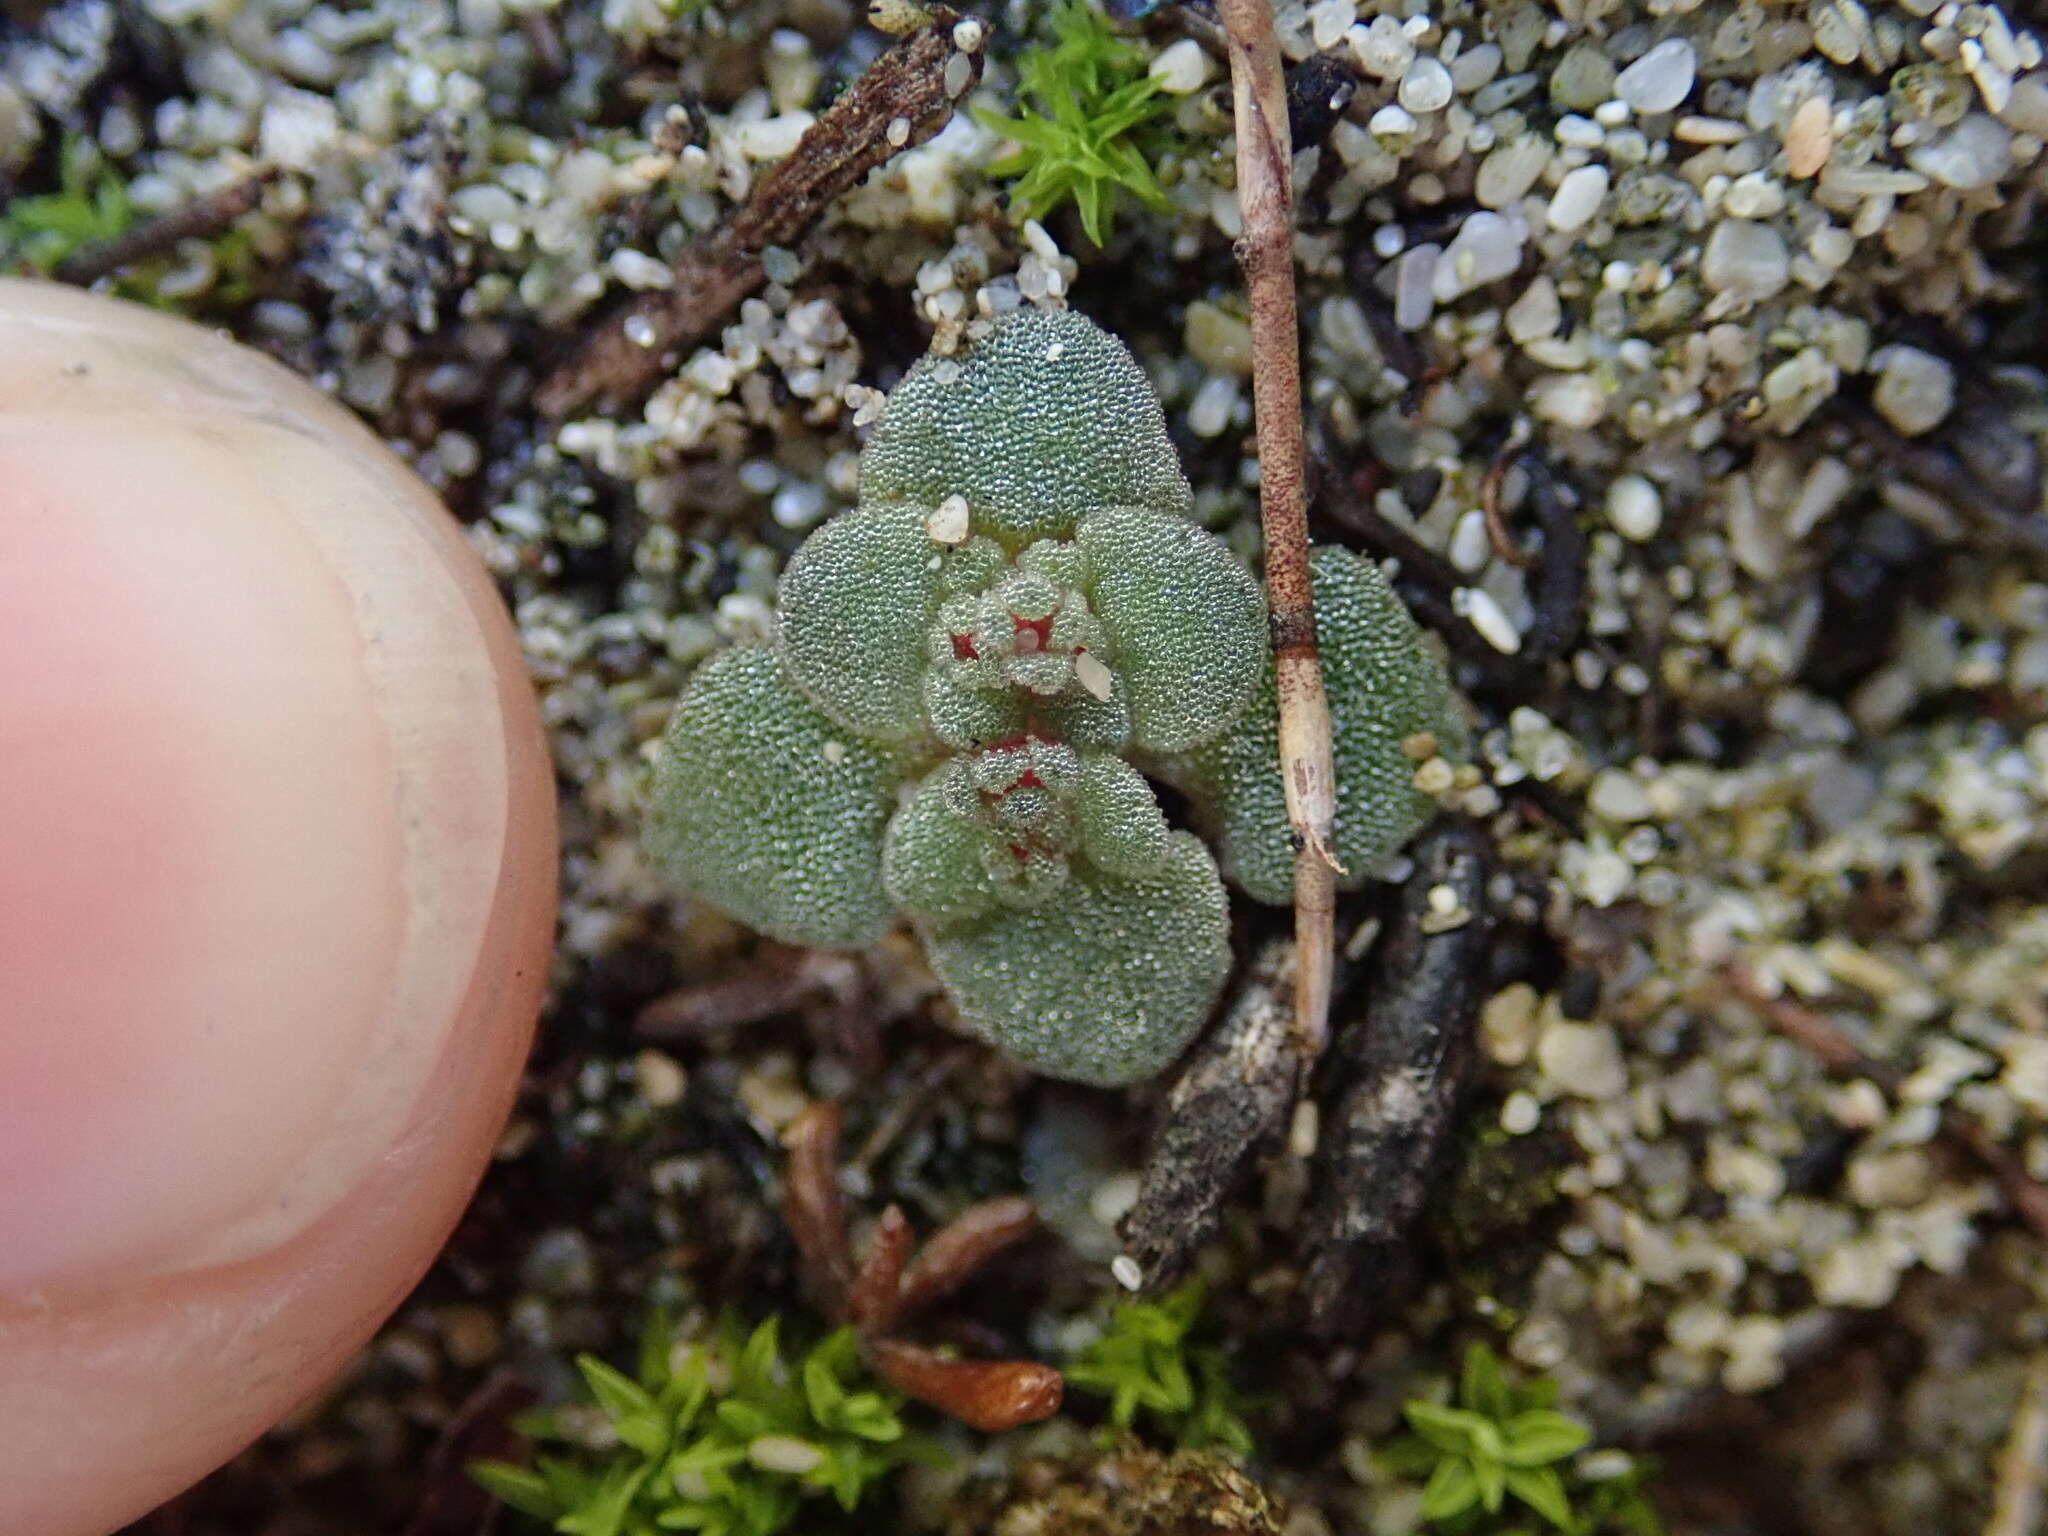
(277, 884)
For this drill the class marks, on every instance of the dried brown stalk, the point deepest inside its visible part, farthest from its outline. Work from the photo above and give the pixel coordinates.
(904, 97)
(202, 219)
(2023, 1463)
(1265, 198)
(812, 1207)
(874, 1296)
(1820, 1036)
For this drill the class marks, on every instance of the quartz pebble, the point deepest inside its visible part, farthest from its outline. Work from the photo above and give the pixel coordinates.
(1510, 170)
(1383, 50)
(1809, 137)
(1634, 508)
(1426, 87)
(1414, 278)
(1487, 247)
(1915, 389)
(1181, 68)
(1660, 79)
(1975, 153)
(1578, 197)
(1746, 259)
(1569, 399)
(1536, 313)
(1583, 1059)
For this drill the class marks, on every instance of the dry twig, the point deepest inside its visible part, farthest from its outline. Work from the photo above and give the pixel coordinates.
(2023, 1464)
(1405, 1061)
(202, 219)
(905, 97)
(1265, 197)
(1826, 1042)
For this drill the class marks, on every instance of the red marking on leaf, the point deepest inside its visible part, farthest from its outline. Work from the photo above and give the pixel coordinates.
(1030, 780)
(1040, 631)
(963, 648)
(1020, 851)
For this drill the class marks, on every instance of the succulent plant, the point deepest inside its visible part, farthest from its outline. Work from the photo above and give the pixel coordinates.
(972, 667)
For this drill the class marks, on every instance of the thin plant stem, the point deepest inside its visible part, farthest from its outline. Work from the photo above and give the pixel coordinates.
(1265, 198)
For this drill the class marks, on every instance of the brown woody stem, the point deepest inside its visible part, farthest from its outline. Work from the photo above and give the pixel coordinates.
(914, 84)
(1265, 198)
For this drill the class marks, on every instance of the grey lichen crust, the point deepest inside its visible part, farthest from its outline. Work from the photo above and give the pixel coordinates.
(964, 662)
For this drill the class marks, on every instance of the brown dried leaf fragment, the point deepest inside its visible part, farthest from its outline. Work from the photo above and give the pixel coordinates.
(988, 1395)
(964, 1246)
(875, 1302)
(813, 1209)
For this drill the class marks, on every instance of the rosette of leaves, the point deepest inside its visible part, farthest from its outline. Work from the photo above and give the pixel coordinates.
(973, 671)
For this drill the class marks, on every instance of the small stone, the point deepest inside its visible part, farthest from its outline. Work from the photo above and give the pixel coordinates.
(1426, 87)
(1536, 313)
(1093, 675)
(1915, 389)
(2026, 110)
(1660, 79)
(1583, 1059)
(1569, 399)
(1414, 279)
(1578, 197)
(1973, 154)
(948, 521)
(1618, 796)
(1214, 404)
(1583, 78)
(1487, 247)
(1521, 1113)
(1220, 341)
(1634, 507)
(1383, 50)
(1478, 608)
(1181, 68)
(1329, 20)
(1746, 259)
(661, 1078)
(1510, 170)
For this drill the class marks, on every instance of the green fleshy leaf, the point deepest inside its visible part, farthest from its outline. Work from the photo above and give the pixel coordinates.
(1542, 1489)
(856, 602)
(1186, 624)
(1483, 1387)
(932, 859)
(1452, 1489)
(766, 809)
(526, 1491)
(1449, 1429)
(1541, 1435)
(1105, 984)
(1123, 831)
(1044, 420)
(1385, 683)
